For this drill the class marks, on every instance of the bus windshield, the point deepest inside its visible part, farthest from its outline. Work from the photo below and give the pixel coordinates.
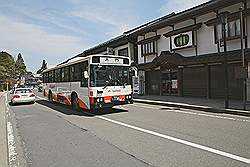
(108, 75)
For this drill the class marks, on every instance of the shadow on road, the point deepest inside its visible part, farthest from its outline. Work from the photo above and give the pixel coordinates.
(69, 111)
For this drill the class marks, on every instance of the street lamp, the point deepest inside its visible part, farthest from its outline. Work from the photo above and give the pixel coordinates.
(223, 21)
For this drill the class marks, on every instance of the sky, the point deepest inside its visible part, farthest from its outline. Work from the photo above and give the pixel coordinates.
(55, 30)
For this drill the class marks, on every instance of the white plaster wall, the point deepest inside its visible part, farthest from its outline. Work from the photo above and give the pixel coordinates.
(150, 34)
(150, 58)
(140, 58)
(187, 52)
(163, 43)
(205, 36)
(139, 38)
(184, 24)
(232, 44)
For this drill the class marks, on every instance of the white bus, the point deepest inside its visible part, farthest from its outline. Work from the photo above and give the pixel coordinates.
(93, 82)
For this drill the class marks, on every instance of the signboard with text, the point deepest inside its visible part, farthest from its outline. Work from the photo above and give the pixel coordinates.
(182, 40)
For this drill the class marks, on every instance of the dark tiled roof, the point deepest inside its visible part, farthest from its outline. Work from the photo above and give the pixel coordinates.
(210, 6)
(170, 60)
(165, 59)
(234, 55)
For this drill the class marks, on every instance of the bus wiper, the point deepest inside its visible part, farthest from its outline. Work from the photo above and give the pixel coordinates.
(120, 82)
(107, 83)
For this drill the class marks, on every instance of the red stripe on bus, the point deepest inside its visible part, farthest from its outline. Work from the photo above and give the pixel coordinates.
(82, 104)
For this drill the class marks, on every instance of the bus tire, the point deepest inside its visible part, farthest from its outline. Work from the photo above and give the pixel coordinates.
(50, 97)
(75, 102)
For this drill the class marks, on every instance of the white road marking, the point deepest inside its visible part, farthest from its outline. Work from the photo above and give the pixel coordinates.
(11, 145)
(41, 98)
(194, 113)
(201, 147)
(188, 143)
(12, 154)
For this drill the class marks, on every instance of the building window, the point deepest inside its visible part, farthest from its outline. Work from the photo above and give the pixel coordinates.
(72, 71)
(66, 74)
(51, 76)
(46, 77)
(232, 30)
(148, 48)
(123, 52)
(58, 75)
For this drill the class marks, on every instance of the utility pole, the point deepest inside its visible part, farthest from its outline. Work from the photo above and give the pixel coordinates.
(223, 19)
(243, 57)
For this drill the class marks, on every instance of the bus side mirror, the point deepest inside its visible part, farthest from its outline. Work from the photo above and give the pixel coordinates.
(85, 74)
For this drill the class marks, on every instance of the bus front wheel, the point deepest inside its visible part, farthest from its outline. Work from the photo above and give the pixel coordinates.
(75, 102)
(50, 96)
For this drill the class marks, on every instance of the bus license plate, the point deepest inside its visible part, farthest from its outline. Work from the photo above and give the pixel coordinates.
(116, 97)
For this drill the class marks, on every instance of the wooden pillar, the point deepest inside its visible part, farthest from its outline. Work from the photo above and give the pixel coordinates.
(208, 77)
(180, 81)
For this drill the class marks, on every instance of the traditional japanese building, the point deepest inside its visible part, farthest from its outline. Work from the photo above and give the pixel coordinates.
(183, 54)
(186, 53)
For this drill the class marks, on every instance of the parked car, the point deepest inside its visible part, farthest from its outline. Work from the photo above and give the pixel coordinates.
(22, 95)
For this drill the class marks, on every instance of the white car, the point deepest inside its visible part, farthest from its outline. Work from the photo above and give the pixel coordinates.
(22, 95)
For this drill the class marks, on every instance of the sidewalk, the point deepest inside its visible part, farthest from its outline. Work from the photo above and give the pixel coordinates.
(3, 137)
(202, 104)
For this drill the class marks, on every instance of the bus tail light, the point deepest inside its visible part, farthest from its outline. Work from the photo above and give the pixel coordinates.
(91, 100)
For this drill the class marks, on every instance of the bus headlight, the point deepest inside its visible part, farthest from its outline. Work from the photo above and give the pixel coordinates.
(99, 99)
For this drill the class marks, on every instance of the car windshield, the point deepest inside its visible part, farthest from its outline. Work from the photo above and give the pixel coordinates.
(108, 75)
(19, 91)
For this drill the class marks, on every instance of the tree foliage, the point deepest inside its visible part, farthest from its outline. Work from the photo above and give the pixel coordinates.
(20, 65)
(43, 67)
(7, 66)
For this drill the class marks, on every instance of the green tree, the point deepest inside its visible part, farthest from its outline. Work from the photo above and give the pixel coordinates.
(20, 65)
(7, 66)
(44, 67)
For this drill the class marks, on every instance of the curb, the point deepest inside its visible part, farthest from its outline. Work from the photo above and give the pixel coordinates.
(3, 133)
(195, 107)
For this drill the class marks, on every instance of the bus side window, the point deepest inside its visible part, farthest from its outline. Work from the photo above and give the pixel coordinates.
(72, 71)
(84, 81)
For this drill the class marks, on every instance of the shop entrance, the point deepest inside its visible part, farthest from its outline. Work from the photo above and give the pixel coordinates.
(169, 83)
(153, 82)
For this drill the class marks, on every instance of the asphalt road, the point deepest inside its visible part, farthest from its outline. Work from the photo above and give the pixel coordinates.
(134, 135)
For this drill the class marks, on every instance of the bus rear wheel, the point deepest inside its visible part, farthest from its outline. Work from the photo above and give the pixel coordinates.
(75, 102)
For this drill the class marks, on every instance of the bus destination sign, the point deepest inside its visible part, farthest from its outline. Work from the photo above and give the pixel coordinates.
(111, 60)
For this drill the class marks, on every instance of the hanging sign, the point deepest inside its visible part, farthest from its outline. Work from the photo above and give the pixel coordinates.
(182, 40)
